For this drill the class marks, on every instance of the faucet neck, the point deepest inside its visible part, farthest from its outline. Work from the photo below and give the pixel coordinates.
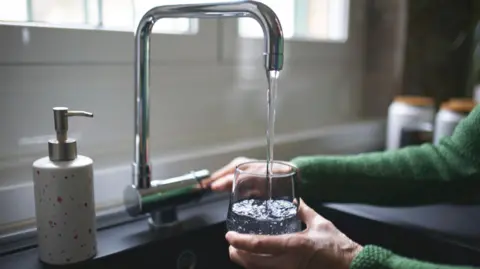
(274, 42)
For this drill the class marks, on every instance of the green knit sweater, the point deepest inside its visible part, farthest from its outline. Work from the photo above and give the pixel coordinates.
(447, 173)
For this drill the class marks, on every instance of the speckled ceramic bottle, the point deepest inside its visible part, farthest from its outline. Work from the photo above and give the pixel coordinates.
(64, 199)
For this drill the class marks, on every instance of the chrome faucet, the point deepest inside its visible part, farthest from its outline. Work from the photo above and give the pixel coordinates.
(144, 190)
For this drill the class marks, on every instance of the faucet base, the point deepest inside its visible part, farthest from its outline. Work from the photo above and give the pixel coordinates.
(163, 218)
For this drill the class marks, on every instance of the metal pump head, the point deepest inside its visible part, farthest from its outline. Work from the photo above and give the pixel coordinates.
(63, 148)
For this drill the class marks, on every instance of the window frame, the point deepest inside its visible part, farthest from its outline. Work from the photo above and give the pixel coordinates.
(239, 49)
(37, 44)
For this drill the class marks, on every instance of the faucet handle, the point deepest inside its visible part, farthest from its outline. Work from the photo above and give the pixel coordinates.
(165, 193)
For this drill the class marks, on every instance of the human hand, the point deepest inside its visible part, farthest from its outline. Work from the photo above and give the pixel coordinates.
(319, 246)
(222, 179)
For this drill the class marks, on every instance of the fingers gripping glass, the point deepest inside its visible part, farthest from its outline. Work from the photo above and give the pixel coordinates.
(264, 203)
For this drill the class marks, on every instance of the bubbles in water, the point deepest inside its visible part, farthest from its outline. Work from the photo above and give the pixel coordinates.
(263, 217)
(265, 209)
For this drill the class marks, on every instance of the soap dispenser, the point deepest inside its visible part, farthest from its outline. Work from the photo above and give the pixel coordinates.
(64, 198)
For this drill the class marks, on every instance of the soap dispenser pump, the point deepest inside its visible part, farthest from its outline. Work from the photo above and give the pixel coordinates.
(64, 198)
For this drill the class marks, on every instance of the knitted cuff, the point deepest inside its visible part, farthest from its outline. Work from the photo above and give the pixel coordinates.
(299, 161)
(371, 257)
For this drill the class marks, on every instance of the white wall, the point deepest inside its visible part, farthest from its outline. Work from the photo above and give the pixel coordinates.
(201, 97)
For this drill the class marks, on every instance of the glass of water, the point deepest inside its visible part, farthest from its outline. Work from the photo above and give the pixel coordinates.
(264, 199)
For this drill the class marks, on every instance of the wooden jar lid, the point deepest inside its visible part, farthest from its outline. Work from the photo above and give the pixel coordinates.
(414, 100)
(459, 105)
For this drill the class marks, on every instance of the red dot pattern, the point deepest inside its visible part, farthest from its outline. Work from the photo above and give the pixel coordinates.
(58, 207)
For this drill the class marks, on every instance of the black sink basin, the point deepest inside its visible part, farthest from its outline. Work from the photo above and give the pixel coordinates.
(204, 248)
(207, 248)
(200, 241)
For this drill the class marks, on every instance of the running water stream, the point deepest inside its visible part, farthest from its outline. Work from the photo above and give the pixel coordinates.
(272, 77)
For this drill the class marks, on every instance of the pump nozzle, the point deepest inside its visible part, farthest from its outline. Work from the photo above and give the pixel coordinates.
(64, 148)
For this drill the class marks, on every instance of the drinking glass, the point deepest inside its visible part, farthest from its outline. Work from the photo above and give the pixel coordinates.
(264, 203)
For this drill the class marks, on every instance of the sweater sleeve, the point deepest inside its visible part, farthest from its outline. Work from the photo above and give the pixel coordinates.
(374, 257)
(448, 172)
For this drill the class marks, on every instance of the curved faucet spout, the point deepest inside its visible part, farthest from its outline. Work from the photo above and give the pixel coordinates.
(273, 36)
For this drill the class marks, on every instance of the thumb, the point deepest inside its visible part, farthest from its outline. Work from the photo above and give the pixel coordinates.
(306, 214)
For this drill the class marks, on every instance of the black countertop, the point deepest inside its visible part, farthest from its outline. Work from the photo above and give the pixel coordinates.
(456, 222)
(457, 227)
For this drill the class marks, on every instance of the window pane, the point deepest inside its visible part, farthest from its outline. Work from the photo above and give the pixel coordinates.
(92, 12)
(64, 11)
(338, 19)
(15, 10)
(305, 19)
(285, 11)
(111, 14)
(172, 26)
(127, 13)
(118, 14)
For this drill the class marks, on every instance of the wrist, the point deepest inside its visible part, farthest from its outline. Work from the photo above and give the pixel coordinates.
(352, 254)
(371, 257)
